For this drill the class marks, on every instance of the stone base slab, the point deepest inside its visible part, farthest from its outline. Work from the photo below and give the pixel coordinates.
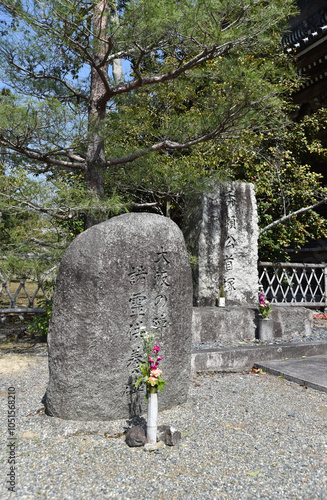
(309, 372)
(211, 324)
(244, 358)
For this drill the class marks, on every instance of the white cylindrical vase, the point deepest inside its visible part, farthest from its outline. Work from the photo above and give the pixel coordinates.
(152, 418)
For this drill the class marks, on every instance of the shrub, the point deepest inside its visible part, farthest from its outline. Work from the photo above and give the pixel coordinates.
(41, 322)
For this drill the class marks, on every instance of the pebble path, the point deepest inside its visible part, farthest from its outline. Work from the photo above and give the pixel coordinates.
(244, 436)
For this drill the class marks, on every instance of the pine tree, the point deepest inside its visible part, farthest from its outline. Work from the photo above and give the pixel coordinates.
(200, 67)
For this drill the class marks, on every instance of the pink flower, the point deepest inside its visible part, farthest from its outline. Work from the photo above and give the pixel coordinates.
(159, 359)
(151, 360)
(156, 349)
(153, 381)
(155, 373)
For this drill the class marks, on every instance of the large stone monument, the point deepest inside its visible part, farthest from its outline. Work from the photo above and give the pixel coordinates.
(221, 232)
(116, 279)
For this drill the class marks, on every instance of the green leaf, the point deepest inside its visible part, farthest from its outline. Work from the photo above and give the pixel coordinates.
(138, 381)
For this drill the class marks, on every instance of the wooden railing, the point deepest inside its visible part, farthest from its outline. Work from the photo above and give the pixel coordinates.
(20, 297)
(290, 284)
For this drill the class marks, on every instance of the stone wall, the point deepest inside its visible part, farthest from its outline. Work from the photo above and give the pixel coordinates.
(214, 324)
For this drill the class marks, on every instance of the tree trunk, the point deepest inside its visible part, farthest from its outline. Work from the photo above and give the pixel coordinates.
(117, 66)
(95, 156)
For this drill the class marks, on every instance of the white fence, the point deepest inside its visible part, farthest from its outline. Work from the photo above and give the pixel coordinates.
(290, 284)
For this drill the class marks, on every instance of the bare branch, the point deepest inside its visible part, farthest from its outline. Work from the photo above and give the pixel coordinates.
(126, 54)
(293, 214)
(46, 244)
(35, 76)
(203, 56)
(42, 157)
(37, 208)
(81, 49)
(143, 205)
(175, 146)
(136, 67)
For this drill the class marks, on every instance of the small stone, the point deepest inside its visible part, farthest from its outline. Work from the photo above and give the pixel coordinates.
(161, 429)
(153, 447)
(135, 436)
(29, 435)
(169, 435)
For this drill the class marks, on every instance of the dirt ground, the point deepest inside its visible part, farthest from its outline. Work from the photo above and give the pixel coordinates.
(17, 347)
(15, 363)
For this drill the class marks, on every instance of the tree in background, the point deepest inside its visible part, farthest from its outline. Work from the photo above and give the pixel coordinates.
(199, 78)
(57, 56)
(285, 184)
(237, 94)
(31, 239)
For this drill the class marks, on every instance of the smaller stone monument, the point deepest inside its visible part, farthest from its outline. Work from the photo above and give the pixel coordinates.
(119, 278)
(221, 233)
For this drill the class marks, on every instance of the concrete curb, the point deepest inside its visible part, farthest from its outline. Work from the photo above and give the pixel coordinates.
(236, 359)
(309, 372)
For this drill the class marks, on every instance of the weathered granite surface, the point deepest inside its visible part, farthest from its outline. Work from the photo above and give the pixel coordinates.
(225, 324)
(221, 232)
(128, 273)
(291, 321)
(228, 324)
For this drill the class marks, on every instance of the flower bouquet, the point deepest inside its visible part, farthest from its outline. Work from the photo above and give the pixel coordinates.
(264, 306)
(151, 377)
(266, 326)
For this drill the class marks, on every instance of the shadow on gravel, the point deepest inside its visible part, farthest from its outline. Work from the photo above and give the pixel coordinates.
(15, 337)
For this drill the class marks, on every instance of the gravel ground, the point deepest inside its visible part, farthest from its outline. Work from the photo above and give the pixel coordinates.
(245, 436)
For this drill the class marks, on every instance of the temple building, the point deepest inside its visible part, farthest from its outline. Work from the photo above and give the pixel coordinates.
(307, 41)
